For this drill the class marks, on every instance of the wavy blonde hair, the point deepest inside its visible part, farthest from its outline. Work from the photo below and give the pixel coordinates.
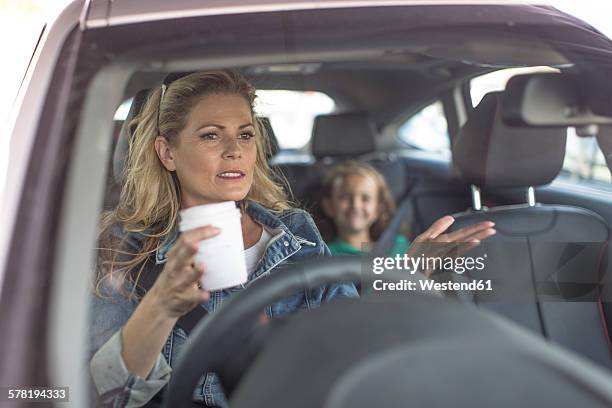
(149, 201)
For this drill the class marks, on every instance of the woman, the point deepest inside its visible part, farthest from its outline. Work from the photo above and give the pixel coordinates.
(197, 141)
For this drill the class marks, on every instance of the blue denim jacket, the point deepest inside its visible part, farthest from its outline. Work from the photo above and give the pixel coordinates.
(294, 237)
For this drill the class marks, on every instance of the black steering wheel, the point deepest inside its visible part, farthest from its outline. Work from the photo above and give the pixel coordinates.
(214, 340)
(500, 346)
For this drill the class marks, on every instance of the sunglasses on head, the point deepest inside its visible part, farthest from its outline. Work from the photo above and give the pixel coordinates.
(168, 79)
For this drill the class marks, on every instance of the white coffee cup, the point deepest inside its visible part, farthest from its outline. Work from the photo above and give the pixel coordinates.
(222, 255)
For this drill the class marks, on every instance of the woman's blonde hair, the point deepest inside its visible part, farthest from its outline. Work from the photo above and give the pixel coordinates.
(149, 201)
(385, 199)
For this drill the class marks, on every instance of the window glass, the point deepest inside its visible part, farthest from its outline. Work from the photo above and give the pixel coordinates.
(123, 110)
(427, 130)
(584, 162)
(292, 114)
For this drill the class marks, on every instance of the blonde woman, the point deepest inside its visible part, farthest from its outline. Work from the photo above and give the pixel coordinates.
(197, 141)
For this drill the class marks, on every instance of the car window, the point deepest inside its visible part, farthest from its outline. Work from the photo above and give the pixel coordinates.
(427, 130)
(292, 114)
(123, 110)
(584, 162)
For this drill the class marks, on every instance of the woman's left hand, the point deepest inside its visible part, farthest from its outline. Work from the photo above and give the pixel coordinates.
(436, 242)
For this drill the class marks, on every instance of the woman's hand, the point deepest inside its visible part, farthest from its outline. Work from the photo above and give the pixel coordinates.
(436, 242)
(176, 290)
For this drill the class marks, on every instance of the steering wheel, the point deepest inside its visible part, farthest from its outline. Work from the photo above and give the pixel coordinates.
(214, 339)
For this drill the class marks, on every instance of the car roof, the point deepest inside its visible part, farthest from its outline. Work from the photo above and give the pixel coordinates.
(115, 12)
(392, 57)
(391, 60)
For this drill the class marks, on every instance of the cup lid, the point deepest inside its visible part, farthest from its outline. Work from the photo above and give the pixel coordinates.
(207, 209)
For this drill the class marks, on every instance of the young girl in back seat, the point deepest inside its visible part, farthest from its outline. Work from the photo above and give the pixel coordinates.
(357, 201)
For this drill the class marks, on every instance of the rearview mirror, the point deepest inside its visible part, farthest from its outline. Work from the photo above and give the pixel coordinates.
(550, 100)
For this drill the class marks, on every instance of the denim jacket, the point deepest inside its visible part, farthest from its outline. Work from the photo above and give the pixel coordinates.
(294, 237)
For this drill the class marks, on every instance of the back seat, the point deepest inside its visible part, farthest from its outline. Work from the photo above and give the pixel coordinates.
(337, 138)
(334, 138)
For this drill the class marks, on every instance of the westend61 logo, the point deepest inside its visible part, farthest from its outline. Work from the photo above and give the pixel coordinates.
(424, 263)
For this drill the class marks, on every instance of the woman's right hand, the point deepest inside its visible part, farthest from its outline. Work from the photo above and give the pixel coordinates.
(176, 290)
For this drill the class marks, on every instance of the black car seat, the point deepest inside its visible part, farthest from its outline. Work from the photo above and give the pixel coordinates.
(342, 135)
(546, 260)
(120, 149)
(335, 138)
(273, 142)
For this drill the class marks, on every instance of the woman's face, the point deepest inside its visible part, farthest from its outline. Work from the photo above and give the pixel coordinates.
(353, 204)
(214, 157)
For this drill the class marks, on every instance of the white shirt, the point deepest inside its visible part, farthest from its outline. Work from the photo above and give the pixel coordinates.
(254, 254)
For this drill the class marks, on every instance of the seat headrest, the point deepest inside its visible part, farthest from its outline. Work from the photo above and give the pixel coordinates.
(488, 153)
(274, 148)
(123, 141)
(342, 135)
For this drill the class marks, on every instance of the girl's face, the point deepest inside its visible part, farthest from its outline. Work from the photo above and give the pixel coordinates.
(215, 156)
(353, 203)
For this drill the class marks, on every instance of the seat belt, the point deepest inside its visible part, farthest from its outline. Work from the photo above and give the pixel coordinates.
(386, 241)
(147, 278)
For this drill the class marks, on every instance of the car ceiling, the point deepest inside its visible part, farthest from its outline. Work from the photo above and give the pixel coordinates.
(389, 60)
(382, 90)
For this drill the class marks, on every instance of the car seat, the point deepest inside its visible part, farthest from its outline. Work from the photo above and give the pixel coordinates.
(548, 260)
(336, 138)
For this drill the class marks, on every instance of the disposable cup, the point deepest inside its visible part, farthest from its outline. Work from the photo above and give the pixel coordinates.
(222, 255)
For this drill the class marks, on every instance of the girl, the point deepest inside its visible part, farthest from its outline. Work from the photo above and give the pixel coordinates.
(357, 200)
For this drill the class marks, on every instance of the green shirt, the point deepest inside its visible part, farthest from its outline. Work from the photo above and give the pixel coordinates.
(340, 247)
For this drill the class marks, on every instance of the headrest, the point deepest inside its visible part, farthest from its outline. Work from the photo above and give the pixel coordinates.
(488, 153)
(341, 135)
(265, 123)
(123, 141)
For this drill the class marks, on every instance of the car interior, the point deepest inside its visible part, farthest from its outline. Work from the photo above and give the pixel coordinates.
(507, 158)
(493, 165)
